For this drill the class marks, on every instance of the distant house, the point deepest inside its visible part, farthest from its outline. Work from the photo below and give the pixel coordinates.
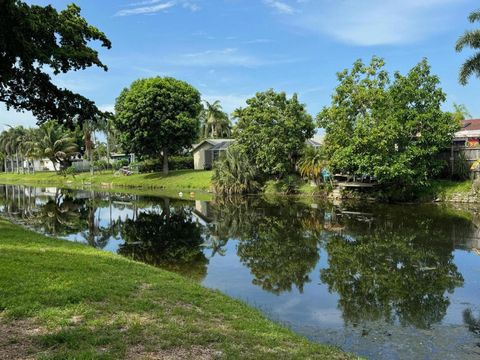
(208, 151)
(469, 134)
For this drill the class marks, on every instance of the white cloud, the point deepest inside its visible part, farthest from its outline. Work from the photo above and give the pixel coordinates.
(149, 7)
(280, 6)
(373, 22)
(222, 57)
(226, 57)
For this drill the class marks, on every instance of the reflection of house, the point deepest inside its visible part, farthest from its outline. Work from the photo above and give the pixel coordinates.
(201, 212)
(208, 151)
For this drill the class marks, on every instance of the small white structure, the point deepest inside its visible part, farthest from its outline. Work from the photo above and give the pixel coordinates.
(209, 151)
(44, 165)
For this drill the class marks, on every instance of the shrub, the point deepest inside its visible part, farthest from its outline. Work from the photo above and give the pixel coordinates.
(287, 186)
(179, 162)
(234, 174)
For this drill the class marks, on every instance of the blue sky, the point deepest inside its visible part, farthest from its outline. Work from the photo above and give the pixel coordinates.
(230, 49)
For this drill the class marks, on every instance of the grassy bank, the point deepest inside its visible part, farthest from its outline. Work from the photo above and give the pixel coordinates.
(450, 191)
(186, 180)
(63, 300)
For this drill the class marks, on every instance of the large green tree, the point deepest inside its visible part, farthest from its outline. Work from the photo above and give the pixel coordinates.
(34, 39)
(470, 39)
(157, 117)
(272, 130)
(391, 131)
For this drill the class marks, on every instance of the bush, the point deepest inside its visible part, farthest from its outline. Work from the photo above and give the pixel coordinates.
(181, 162)
(287, 186)
(70, 171)
(234, 174)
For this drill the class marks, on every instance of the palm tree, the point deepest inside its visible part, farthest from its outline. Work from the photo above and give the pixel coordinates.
(29, 146)
(55, 143)
(312, 162)
(11, 141)
(216, 122)
(234, 174)
(460, 112)
(4, 150)
(470, 39)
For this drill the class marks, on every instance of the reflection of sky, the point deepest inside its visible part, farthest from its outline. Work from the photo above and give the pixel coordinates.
(315, 314)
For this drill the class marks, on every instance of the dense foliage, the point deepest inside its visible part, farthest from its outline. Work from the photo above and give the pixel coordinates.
(390, 131)
(470, 39)
(34, 38)
(157, 116)
(234, 174)
(271, 130)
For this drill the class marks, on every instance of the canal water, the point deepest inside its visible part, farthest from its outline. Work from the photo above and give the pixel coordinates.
(385, 282)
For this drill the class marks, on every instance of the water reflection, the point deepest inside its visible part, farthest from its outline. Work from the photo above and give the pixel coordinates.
(170, 239)
(387, 267)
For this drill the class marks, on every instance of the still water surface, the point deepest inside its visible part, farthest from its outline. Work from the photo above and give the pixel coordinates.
(385, 282)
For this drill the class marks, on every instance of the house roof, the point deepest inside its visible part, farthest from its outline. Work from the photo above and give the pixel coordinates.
(222, 146)
(470, 124)
(214, 143)
(469, 128)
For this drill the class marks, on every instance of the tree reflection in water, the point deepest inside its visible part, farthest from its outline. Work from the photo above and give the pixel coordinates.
(398, 269)
(171, 240)
(272, 240)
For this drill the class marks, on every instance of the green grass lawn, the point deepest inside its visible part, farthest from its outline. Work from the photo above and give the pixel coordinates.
(61, 300)
(176, 180)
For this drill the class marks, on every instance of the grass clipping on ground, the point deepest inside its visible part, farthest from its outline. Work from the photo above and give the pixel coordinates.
(62, 300)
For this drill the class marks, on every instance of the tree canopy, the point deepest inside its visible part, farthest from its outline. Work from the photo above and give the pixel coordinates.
(34, 38)
(470, 39)
(157, 116)
(392, 131)
(272, 130)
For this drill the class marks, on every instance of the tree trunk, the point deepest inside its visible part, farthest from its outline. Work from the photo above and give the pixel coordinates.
(165, 161)
(11, 165)
(5, 164)
(108, 151)
(90, 159)
(16, 160)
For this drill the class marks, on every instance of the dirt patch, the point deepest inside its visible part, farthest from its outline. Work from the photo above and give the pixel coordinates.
(16, 339)
(194, 352)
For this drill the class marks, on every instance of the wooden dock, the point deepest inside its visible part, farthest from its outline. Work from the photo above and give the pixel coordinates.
(344, 185)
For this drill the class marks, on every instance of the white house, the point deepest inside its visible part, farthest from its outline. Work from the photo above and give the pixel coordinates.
(208, 151)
